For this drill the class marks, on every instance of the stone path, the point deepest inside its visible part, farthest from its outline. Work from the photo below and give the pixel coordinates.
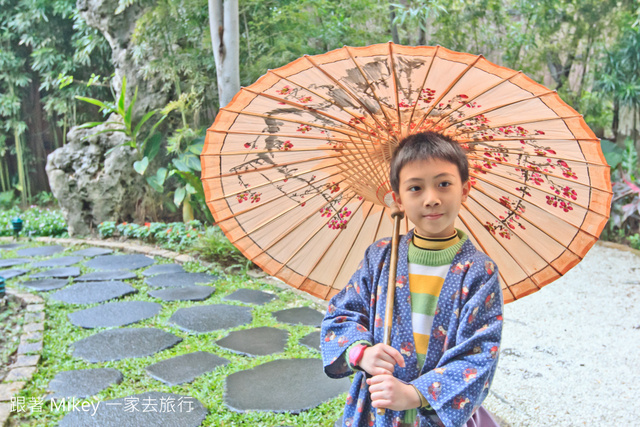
(100, 302)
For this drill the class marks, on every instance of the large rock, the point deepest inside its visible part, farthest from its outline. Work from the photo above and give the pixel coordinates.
(92, 186)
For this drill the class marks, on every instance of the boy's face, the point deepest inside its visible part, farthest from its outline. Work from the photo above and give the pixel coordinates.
(431, 193)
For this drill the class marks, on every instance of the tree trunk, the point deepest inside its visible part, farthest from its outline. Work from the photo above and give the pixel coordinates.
(36, 129)
(225, 41)
(394, 28)
(615, 122)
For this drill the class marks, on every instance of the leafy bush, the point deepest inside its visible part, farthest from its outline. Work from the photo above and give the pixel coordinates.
(209, 243)
(214, 246)
(35, 222)
(624, 222)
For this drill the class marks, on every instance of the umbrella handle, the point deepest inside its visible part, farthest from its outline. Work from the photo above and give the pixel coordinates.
(397, 216)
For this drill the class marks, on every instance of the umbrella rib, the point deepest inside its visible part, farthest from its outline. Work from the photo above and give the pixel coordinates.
(448, 89)
(367, 158)
(395, 86)
(515, 234)
(293, 150)
(353, 243)
(224, 196)
(515, 166)
(273, 218)
(424, 82)
(266, 202)
(328, 246)
(298, 122)
(515, 152)
(341, 86)
(573, 202)
(315, 233)
(529, 137)
(524, 122)
(503, 80)
(373, 92)
(355, 116)
(502, 245)
(484, 249)
(275, 165)
(283, 135)
(303, 108)
(528, 220)
(509, 104)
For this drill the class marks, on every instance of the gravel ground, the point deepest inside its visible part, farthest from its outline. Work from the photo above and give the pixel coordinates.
(570, 352)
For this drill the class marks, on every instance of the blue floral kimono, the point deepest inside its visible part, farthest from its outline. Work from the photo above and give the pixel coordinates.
(463, 349)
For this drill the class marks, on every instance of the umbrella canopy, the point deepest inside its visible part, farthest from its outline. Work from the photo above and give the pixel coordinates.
(295, 169)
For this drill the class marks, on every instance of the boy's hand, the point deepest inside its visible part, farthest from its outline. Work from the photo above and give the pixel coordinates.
(390, 393)
(381, 359)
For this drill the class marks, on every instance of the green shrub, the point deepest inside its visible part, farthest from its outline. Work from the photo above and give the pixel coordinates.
(35, 222)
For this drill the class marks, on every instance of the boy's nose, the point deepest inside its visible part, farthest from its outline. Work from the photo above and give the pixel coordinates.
(431, 198)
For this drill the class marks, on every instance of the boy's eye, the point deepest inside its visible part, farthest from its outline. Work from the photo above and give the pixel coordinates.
(414, 188)
(445, 184)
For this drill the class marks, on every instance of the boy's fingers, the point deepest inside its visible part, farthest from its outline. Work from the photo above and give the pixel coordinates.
(395, 355)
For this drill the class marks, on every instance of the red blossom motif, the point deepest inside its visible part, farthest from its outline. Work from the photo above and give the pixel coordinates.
(287, 146)
(284, 91)
(305, 99)
(303, 128)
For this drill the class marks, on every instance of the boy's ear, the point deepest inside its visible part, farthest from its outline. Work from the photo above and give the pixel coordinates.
(398, 201)
(466, 188)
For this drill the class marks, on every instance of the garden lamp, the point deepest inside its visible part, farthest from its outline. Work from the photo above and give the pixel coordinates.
(17, 226)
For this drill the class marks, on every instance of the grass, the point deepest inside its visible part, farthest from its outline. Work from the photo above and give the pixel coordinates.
(60, 334)
(10, 327)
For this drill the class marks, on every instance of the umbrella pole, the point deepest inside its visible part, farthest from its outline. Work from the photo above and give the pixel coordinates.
(397, 216)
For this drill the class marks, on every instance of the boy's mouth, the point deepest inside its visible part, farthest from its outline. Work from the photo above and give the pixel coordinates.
(432, 216)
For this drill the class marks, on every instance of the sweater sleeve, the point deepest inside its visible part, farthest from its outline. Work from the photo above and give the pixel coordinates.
(461, 380)
(347, 320)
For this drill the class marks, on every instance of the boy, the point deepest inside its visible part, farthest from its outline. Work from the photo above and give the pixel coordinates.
(447, 315)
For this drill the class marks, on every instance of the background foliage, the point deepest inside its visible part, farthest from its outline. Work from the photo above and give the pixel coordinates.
(588, 50)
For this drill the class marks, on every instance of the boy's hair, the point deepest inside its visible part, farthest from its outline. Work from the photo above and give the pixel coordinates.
(425, 146)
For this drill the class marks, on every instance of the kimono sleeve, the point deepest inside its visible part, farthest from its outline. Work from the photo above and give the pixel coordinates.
(348, 318)
(461, 380)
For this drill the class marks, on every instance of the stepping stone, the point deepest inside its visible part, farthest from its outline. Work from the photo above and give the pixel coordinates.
(311, 341)
(45, 285)
(291, 385)
(10, 262)
(99, 276)
(91, 252)
(185, 368)
(41, 251)
(118, 344)
(141, 410)
(10, 246)
(207, 318)
(92, 292)
(177, 280)
(163, 269)
(188, 293)
(82, 383)
(256, 341)
(299, 316)
(120, 262)
(12, 272)
(251, 296)
(114, 314)
(60, 273)
(64, 261)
